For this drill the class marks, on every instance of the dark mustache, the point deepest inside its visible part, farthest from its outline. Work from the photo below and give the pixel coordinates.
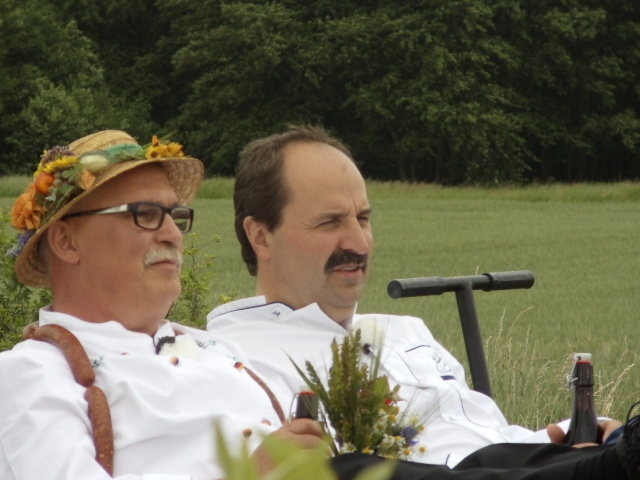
(343, 257)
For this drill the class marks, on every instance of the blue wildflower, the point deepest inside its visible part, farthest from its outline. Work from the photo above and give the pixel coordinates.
(23, 238)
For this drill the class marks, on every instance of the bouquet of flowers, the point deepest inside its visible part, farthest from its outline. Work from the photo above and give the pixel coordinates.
(360, 405)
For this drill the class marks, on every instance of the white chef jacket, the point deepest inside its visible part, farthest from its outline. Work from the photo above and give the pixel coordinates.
(163, 414)
(458, 420)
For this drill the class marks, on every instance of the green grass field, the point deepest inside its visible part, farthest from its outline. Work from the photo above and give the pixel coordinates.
(581, 242)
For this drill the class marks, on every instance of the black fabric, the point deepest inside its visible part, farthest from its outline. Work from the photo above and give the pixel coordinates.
(514, 455)
(502, 462)
(602, 466)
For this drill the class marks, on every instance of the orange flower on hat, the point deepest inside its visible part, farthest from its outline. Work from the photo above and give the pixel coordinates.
(26, 213)
(86, 180)
(43, 182)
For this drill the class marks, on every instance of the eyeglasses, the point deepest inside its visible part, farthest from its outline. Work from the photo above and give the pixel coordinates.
(147, 215)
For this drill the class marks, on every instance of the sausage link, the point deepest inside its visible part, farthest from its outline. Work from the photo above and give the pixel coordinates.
(72, 350)
(27, 332)
(100, 417)
(274, 401)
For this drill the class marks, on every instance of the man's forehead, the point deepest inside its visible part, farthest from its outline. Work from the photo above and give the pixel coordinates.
(318, 165)
(313, 153)
(322, 181)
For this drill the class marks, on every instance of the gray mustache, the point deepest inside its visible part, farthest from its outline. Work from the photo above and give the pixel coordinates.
(162, 254)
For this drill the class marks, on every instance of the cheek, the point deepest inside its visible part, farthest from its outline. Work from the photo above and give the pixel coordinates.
(125, 251)
(317, 249)
(292, 241)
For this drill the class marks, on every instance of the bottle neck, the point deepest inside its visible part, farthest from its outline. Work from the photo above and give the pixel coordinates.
(583, 374)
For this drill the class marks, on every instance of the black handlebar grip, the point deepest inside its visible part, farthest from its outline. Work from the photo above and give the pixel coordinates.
(510, 280)
(416, 287)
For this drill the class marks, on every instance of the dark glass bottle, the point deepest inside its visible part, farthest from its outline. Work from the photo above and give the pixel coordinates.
(307, 405)
(584, 420)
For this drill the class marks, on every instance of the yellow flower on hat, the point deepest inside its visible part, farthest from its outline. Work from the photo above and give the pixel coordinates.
(59, 164)
(26, 213)
(161, 150)
(175, 149)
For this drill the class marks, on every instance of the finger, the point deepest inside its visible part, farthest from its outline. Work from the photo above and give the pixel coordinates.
(556, 434)
(263, 460)
(306, 441)
(583, 445)
(608, 428)
(303, 441)
(303, 426)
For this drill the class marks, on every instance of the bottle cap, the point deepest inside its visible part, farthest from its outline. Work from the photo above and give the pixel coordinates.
(582, 357)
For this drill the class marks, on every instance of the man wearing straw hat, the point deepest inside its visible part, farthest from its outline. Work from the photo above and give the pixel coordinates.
(102, 225)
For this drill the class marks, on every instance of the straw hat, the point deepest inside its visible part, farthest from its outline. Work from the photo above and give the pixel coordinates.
(66, 175)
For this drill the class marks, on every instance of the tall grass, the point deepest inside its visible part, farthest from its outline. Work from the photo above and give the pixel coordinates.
(580, 241)
(222, 187)
(586, 192)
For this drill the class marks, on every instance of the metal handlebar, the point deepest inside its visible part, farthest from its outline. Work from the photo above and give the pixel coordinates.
(418, 287)
(463, 287)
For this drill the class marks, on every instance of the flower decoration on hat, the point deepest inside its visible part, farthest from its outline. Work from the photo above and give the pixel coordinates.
(62, 175)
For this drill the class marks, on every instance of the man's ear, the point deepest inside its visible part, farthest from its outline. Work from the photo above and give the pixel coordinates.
(61, 242)
(258, 236)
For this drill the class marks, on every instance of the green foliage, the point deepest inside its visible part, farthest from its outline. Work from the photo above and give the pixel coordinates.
(427, 91)
(135, 52)
(516, 365)
(56, 115)
(18, 304)
(291, 462)
(53, 88)
(624, 192)
(192, 306)
(453, 92)
(236, 467)
(246, 75)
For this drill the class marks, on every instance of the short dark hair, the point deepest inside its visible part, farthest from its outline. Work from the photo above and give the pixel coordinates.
(260, 190)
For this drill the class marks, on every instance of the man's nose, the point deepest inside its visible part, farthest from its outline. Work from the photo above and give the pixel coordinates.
(169, 232)
(356, 238)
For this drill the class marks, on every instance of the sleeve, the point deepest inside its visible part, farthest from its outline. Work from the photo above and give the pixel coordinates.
(424, 366)
(478, 407)
(425, 360)
(44, 424)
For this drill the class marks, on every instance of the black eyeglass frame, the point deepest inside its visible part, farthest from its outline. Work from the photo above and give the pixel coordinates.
(133, 207)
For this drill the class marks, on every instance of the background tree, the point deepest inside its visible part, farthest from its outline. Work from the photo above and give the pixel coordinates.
(53, 88)
(459, 91)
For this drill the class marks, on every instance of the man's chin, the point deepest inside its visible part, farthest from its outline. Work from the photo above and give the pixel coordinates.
(167, 290)
(349, 298)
